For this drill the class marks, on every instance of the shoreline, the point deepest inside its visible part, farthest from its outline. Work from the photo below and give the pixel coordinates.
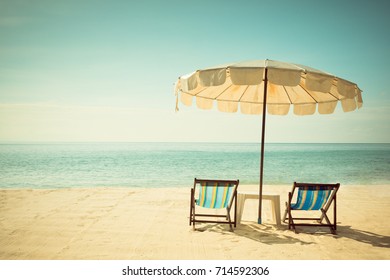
(381, 185)
(112, 223)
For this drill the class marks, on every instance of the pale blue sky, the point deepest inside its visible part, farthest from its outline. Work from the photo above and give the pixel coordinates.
(104, 70)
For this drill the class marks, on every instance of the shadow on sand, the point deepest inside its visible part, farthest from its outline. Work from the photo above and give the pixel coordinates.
(367, 237)
(272, 234)
(266, 234)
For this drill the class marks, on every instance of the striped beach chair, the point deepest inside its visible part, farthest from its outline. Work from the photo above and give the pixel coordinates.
(312, 197)
(213, 194)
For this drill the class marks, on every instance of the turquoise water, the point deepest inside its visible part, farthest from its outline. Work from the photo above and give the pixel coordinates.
(176, 164)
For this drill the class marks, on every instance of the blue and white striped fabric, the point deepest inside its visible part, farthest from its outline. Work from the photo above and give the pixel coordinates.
(312, 198)
(214, 195)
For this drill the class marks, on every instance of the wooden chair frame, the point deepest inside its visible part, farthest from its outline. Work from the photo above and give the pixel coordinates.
(194, 217)
(331, 199)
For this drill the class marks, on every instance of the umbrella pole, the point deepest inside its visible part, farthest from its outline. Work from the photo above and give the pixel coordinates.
(259, 221)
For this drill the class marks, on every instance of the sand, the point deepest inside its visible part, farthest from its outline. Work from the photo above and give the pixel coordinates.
(152, 224)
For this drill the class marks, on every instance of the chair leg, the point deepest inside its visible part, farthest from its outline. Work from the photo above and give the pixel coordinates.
(191, 205)
(289, 217)
(235, 217)
(229, 219)
(192, 217)
(235, 209)
(334, 214)
(324, 216)
(331, 226)
(291, 224)
(285, 214)
(288, 212)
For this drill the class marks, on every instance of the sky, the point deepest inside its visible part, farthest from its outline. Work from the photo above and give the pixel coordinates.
(81, 70)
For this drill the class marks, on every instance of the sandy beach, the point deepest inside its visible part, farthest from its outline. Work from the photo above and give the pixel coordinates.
(152, 224)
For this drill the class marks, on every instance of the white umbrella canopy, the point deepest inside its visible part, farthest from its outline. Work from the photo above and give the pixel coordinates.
(242, 85)
(261, 86)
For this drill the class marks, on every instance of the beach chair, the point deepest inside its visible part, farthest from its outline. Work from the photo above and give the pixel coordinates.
(212, 195)
(312, 197)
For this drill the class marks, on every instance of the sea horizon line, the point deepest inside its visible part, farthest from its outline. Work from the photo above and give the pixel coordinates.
(172, 142)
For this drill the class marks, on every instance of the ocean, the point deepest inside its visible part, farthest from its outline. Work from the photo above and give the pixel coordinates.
(63, 165)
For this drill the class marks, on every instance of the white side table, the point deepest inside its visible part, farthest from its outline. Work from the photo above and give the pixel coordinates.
(275, 203)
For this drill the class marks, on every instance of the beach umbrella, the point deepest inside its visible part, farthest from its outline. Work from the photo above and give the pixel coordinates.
(260, 86)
